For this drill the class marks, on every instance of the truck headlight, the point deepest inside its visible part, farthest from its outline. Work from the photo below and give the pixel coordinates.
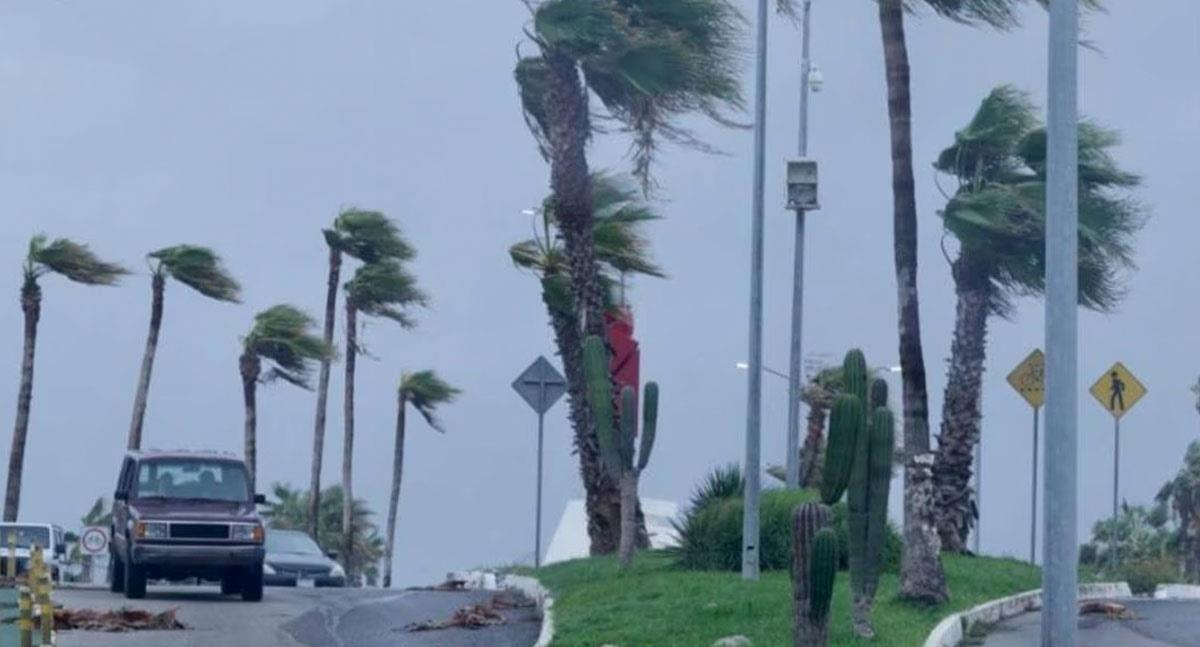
(337, 570)
(246, 532)
(151, 530)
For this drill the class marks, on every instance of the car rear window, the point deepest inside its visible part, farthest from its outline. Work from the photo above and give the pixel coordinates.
(192, 479)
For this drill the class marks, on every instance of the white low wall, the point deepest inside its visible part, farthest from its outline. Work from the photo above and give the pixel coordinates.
(1177, 592)
(527, 586)
(951, 630)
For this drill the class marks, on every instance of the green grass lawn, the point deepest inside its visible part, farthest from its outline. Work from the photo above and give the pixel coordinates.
(656, 603)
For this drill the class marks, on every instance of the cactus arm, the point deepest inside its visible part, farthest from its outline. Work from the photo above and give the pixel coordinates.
(883, 433)
(649, 424)
(599, 396)
(628, 427)
(854, 369)
(822, 571)
(845, 421)
(879, 393)
(857, 509)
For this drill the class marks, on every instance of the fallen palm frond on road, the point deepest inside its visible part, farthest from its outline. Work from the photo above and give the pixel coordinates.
(1109, 609)
(118, 621)
(476, 616)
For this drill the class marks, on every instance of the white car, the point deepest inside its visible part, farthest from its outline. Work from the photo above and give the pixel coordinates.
(48, 536)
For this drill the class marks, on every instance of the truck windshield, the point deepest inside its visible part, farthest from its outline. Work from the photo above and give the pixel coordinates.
(192, 479)
(27, 536)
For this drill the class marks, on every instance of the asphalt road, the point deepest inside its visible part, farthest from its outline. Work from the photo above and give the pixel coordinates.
(289, 617)
(1157, 623)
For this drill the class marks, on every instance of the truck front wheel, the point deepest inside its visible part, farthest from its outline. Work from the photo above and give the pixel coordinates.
(252, 584)
(135, 581)
(116, 574)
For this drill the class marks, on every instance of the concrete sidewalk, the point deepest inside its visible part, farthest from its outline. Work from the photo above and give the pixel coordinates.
(1158, 623)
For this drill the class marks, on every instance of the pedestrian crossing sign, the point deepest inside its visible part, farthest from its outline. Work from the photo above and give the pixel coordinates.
(1118, 390)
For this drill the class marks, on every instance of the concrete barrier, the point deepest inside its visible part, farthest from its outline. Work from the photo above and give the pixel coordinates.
(952, 629)
(527, 586)
(1177, 592)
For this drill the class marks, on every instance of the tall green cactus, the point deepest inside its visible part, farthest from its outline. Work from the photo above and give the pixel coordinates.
(814, 569)
(859, 460)
(617, 441)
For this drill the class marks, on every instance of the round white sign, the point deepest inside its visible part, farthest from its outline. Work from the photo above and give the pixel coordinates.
(94, 540)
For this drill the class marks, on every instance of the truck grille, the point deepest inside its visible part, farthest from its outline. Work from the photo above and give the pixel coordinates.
(199, 531)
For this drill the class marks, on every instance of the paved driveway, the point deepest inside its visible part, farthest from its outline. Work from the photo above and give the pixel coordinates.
(1158, 623)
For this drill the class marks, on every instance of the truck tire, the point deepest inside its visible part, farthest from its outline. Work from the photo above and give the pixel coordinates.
(230, 585)
(116, 574)
(252, 584)
(135, 581)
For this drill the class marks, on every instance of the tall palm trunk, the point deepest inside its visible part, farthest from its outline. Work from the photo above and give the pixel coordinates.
(956, 508)
(568, 131)
(394, 504)
(31, 305)
(318, 451)
(921, 575)
(348, 443)
(629, 500)
(250, 366)
(157, 287)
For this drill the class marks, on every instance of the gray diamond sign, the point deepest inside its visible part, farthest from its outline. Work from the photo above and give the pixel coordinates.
(541, 385)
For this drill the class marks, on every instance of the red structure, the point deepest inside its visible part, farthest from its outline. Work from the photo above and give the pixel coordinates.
(626, 356)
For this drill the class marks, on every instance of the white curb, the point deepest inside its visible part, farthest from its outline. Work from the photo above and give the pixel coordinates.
(1177, 592)
(952, 629)
(527, 586)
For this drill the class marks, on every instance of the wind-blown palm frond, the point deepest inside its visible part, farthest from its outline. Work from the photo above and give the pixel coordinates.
(73, 260)
(998, 213)
(649, 62)
(199, 268)
(385, 289)
(425, 391)
(286, 336)
(368, 236)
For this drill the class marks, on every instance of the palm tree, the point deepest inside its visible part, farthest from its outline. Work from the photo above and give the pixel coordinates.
(380, 289)
(196, 267)
(621, 250)
(284, 336)
(1183, 494)
(648, 63)
(368, 236)
(921, 576)
(997, 215)
(77, 263)
(425, 391)
(289, 511)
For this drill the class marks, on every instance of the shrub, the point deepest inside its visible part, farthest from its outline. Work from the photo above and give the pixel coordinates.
(710, 535)
(1145, 574)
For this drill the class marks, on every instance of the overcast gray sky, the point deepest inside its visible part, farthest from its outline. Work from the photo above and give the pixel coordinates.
(246, 126)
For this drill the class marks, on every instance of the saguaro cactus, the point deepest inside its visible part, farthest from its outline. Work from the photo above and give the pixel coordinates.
(617, 441)
(859, 462)
(814, 568)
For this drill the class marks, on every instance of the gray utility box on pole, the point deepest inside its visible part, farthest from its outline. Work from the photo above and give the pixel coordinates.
(802, 185)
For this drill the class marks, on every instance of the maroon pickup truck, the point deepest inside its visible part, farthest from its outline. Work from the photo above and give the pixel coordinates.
(180, 515)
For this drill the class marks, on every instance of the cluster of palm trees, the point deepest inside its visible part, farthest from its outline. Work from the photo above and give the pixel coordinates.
(283, 344)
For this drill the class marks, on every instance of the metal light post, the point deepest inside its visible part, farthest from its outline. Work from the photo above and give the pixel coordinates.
(796, 370)
(754, 377)
(1060, 573)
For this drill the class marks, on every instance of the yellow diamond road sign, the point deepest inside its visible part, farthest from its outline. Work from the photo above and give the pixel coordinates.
(1028, 378)
(1118, 390)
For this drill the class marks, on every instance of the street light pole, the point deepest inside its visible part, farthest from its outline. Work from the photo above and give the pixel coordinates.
(1060, 575)
(796, 376)
(750, 470)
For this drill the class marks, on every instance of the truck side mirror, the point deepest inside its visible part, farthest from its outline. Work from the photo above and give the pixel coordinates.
(121, 495)
(260, 499)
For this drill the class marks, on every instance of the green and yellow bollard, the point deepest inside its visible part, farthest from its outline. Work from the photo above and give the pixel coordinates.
(47, 609)
(25, 617)
(12, 556)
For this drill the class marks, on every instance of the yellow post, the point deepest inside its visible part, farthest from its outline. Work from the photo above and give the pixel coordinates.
(35, 566)
(47, 609)
(25, 619)
(12, 555)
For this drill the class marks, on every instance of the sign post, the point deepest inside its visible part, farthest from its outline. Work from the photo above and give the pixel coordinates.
(540, 385)
(1029, 380)
(1117, 391)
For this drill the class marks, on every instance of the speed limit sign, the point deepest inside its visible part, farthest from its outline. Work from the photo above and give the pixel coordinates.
(94, 540)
